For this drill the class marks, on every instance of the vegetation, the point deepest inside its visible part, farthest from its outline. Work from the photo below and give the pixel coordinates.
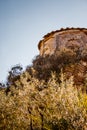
(33, 104)
(43, 97)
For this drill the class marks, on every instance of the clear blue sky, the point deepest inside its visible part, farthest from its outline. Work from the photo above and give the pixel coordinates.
(24, 22)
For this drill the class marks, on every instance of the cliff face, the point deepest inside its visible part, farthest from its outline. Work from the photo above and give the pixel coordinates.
(74, 38)
(69, 46)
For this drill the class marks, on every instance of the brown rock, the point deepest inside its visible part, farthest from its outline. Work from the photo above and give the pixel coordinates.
(70, 46)
(73, 39)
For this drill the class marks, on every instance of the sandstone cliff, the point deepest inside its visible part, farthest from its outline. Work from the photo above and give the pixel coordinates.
(66, 49)
(70, 38)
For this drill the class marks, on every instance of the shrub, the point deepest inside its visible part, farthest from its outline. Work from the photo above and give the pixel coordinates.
(43, 105)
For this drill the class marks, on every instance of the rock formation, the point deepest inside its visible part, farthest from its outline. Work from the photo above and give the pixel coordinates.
(70, 38)
(70, 44)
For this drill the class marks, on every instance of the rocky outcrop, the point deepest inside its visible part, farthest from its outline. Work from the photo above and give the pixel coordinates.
(70, 46)
(70, 38)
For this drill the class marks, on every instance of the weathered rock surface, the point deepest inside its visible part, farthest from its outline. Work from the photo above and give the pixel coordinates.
(70, 46)
(70, 38)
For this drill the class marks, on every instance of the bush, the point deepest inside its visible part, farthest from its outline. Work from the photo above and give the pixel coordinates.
(37, 105)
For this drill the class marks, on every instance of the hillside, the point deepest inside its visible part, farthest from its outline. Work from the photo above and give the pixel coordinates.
(52, 93)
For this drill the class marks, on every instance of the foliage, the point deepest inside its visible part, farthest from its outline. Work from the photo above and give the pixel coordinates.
(72, 62)
(14, 74)
(33, 104)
